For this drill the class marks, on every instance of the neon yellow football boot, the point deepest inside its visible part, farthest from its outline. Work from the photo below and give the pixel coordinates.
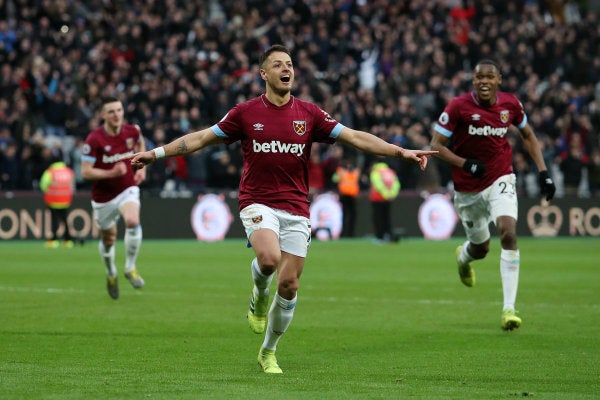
(112, 286)
(257, 313)
(466, 273)
(268, 362)
(51, 244)
(135, 279)
(510, 321)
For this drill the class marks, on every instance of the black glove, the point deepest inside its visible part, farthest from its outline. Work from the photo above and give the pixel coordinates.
(474, 167)
(547, 187)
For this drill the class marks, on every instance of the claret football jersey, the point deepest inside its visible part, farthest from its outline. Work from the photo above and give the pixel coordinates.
(104, 151)
(479, 132)
(276, 143)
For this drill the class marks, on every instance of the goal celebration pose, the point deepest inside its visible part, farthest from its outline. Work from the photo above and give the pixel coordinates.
(276, 131)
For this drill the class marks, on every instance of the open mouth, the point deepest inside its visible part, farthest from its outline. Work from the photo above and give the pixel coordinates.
(286, 78)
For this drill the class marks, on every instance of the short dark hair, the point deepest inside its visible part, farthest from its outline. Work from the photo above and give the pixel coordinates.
(109, 99)
(271, 50)
(489, 61)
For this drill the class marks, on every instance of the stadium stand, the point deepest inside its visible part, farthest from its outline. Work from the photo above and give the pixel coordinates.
(381, 66)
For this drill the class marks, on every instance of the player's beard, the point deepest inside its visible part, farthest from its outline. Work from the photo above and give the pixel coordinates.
(280, 91)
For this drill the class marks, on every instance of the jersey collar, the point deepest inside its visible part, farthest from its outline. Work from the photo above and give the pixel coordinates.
(268, 104)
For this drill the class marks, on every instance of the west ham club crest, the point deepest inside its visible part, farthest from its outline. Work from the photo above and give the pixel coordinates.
(300, 127)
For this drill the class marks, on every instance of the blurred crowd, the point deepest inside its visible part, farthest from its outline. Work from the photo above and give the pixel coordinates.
(386, 67)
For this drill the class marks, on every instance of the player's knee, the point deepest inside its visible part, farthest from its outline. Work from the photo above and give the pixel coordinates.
(268, 262)
(131, 222)
(108, 238)
(287, 287)
(108, 241)
(508, 240)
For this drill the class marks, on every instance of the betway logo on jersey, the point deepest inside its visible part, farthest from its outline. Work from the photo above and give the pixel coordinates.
(275, 146)
(487, 131)
(115, 157)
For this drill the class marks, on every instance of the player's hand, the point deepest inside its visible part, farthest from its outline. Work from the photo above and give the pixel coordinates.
(139, 176)
(547, 187)
(140, 160)
(119, 169)
(419, 156)
(474, 167)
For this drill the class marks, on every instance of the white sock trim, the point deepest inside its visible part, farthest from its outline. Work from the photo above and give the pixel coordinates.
(284, 303)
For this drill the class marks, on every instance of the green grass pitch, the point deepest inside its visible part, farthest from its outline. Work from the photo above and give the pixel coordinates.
(372, 322)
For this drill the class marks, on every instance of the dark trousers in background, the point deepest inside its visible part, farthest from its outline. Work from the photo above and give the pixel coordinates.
(349, 215)
(382, 219)
(60, 215)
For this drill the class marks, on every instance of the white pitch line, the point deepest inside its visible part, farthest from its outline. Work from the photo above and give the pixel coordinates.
(26, 289)
(316, 299)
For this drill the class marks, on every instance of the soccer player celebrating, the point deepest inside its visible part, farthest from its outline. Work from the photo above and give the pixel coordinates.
(115, 191)
(276, 131)
(481, 160)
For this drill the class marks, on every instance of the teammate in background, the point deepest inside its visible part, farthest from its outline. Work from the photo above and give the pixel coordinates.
(115, 191)
(58, 185)
(385, 187)
(347, 177)
(276, 131)
(484, 182)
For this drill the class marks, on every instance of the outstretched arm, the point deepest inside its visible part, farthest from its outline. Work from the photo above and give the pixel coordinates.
(372, 144)
(183, 145)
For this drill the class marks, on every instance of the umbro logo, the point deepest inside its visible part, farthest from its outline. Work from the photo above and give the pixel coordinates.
(258, 126)
(475, 117)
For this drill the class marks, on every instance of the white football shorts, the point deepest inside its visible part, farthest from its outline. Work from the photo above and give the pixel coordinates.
(107, 214)
(292, 230)
(477, 210)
